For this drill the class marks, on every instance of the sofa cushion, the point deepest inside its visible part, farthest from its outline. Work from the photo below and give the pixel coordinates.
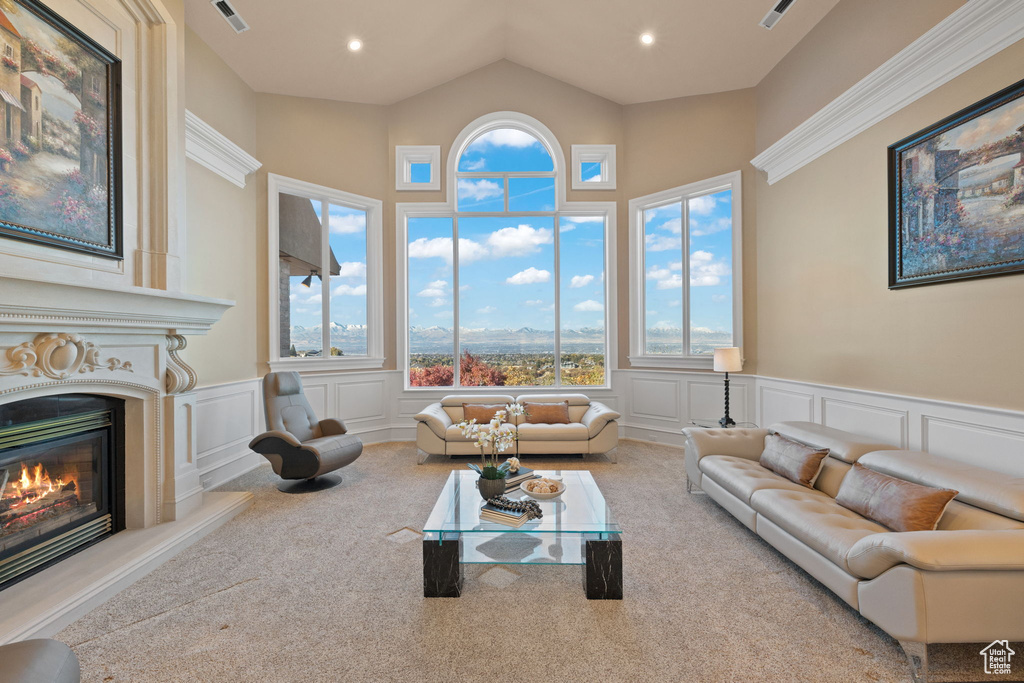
(899, 505)
(574, 431)
(742, 477)
(815, 519)
(996, 492)
(547, 413)
(579, 404)
(481, 412)
(791, 459)
(949, 551)
(846, 446)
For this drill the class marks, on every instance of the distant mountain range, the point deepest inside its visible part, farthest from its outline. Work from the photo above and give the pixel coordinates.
(438, 339)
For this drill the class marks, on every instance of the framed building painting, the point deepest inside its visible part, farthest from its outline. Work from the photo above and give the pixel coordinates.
(956, 195)
(60, 133)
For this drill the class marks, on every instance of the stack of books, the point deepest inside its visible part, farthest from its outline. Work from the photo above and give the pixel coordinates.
(512, 481)
(489, 513)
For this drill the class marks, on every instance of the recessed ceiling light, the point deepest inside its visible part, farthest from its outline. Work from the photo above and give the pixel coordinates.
(646, 38)
(355, 45)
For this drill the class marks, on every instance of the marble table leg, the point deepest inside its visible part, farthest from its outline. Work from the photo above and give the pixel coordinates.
(442, 571)
(602, 569)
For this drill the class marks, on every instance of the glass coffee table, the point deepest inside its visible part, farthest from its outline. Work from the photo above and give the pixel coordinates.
(577, 528)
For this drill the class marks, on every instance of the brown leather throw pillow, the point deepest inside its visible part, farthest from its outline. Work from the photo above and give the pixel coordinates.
(792, 460)
(897, 504)
(481, 412)
(547, 413)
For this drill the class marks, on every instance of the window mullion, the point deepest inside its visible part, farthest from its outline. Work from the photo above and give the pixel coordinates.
(325, 277)
(684, 305)
(456, 380)
(558, 307)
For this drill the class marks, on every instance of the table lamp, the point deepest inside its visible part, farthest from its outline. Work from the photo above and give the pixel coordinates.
(728, 360)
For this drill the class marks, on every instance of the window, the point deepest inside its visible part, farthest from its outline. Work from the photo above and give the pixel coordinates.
(417, 167)
(686, 257)
(593, 167)
(326, 277)
(9, 51)
(506, 284)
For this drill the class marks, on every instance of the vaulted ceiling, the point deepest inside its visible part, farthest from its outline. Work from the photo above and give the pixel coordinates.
(300, 48)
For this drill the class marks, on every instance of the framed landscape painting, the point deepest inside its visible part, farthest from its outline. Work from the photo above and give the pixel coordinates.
(956, 195)
(60, 133)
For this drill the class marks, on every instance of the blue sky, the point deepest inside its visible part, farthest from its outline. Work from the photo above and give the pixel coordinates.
(710, 254)
(507, 264)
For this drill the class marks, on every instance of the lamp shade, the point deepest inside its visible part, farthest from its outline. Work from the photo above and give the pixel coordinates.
(728, 359)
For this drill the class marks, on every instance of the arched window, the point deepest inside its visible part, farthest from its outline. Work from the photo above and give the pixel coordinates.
(506, 283)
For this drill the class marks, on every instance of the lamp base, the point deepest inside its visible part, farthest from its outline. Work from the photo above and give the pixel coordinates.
(727, 422)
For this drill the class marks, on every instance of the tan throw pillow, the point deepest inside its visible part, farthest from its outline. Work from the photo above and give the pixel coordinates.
(792, 460)
(547, 413)
(894, 503)
(481, 412)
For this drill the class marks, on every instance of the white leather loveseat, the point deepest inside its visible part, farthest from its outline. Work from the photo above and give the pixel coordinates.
(592, 427)
(962, 583)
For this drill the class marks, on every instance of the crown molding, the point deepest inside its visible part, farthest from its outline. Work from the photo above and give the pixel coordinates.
(206, 146)
(967, 37)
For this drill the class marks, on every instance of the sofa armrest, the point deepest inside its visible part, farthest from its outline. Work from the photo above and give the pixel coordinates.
(434, 417)
(741, 443)
(940, 551)
(596, 417)
(332, 426)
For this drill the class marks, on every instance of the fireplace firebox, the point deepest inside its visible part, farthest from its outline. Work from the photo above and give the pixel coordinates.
(61, 479)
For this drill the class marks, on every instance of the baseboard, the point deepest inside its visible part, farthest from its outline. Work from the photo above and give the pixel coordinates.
(43, 604)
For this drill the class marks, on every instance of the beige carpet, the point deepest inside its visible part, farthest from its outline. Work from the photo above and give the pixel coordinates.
(310, 588)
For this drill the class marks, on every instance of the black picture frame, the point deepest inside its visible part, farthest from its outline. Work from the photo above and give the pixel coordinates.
(103, 240)
(945, 230)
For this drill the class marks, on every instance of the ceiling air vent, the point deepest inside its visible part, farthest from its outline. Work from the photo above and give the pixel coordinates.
(238, 23)
(776, 13)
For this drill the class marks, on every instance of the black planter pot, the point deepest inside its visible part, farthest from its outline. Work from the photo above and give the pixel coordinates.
(489, 488)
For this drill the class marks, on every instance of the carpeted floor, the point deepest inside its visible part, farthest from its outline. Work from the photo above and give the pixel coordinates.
(310, 588)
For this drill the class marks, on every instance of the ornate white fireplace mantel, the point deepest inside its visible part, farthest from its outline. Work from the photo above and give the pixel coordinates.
(58, 338)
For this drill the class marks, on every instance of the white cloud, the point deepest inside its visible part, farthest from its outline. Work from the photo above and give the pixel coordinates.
(348, 290)
(347, 223)
(580, 281)
(588, 305)
(435, 289)
(441, 247)
(479, 190)
(596, 178)
(533, 302)
(720, 298)
(705, 271)
(315, 299)
(673, 225)
(529, 276)
(505, 137)
(566, 227)
(464, 288)
(704, 205)
(518, 241)
(477, 165)
(352, 269)
(583, 219)
(663, 242)
(699, 229)
(437, 303)
(675, 281)
(486, 310)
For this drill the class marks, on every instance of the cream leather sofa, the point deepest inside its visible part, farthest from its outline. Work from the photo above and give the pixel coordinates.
(593, 427)
(962, 583)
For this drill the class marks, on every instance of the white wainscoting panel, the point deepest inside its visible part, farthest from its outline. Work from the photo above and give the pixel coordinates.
(654, 399)
(990, 447)
(783, 405)
(705, 400)
(316, 390)
(885, 424)
(227, 417)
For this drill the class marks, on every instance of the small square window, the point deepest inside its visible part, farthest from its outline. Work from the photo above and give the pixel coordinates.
(417, 167)
(419, 173)
(593, 167)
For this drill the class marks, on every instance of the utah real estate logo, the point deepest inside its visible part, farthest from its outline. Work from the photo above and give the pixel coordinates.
(997, 657)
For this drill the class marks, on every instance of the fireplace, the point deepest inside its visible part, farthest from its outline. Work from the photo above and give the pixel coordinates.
(61, 479)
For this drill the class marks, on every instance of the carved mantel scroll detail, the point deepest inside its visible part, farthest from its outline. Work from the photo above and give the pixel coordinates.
(58, 356)
(180, 376)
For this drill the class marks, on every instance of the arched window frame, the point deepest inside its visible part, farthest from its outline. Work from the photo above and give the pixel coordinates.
(449, 208)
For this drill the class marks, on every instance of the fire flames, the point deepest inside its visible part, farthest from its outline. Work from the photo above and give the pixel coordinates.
(35, 484)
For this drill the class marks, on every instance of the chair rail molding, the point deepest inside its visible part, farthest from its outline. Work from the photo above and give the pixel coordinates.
(967, 37)
(208, 147)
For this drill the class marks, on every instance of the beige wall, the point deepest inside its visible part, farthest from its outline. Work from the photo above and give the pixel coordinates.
(855, 38)
(676, 142)
(824, 311)
(221, 229)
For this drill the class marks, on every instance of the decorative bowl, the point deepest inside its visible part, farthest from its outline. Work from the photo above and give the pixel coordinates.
(542, 496)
